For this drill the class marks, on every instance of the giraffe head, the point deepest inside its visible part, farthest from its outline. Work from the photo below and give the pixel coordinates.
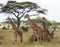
(44, 19)
(8, 18)
(26, 16)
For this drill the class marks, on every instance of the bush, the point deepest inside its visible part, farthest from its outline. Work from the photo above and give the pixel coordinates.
(4, 28)
(24, 28)
(33, 37)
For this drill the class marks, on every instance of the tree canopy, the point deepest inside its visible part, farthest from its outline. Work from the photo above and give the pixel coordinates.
(20, 9)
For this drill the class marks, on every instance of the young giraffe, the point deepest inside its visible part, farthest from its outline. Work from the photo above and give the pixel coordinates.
(37, 29)
(17, 32)
(51, 35)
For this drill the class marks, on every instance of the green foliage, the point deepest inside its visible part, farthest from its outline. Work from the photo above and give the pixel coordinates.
(30, 39)
(33, 38)
(49, 23)
(4, 28)
(30, 5)
(42, 11)
(20, 9)
(37, 19)
(40, 20)
(25, 29)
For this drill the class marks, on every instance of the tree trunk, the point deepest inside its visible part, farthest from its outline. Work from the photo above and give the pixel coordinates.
(18, 22)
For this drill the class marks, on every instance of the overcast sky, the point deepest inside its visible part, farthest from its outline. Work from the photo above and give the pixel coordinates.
(53, 7)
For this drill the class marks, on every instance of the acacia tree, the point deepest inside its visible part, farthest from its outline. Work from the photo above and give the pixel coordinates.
(20, 9)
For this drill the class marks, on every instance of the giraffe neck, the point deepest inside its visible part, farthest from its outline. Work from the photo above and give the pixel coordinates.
(13, 25)
(33, 24)
(52, 32)
(44, 23)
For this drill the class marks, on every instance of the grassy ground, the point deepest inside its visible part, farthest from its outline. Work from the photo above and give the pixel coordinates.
(7, 40)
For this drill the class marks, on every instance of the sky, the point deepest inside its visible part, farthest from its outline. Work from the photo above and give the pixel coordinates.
(53, 7)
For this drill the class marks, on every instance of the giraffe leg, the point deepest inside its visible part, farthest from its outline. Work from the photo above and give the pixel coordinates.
(21, 39)
(15, 36)
(48, 38)
(21, 36)
(40, 37)
(34, 35)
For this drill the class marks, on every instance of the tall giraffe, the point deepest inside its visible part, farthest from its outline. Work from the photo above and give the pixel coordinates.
(50, 35)
(39, 30)
(46, 33)
(17, 31)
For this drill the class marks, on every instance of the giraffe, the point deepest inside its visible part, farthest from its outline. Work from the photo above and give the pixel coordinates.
(17, 31)
(37, 29)
(51, 35)
(46, 33)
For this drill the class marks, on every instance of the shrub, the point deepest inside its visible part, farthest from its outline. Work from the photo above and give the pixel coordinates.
(33, 37)
(24, 28)
(30, 40)
(4, 28)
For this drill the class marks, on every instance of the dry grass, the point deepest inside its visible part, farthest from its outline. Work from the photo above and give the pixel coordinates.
(7, 40)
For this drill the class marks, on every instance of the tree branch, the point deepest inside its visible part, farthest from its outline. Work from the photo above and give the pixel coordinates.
(24, 13)
(14, 20)
(34, 14)
(14, 14)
